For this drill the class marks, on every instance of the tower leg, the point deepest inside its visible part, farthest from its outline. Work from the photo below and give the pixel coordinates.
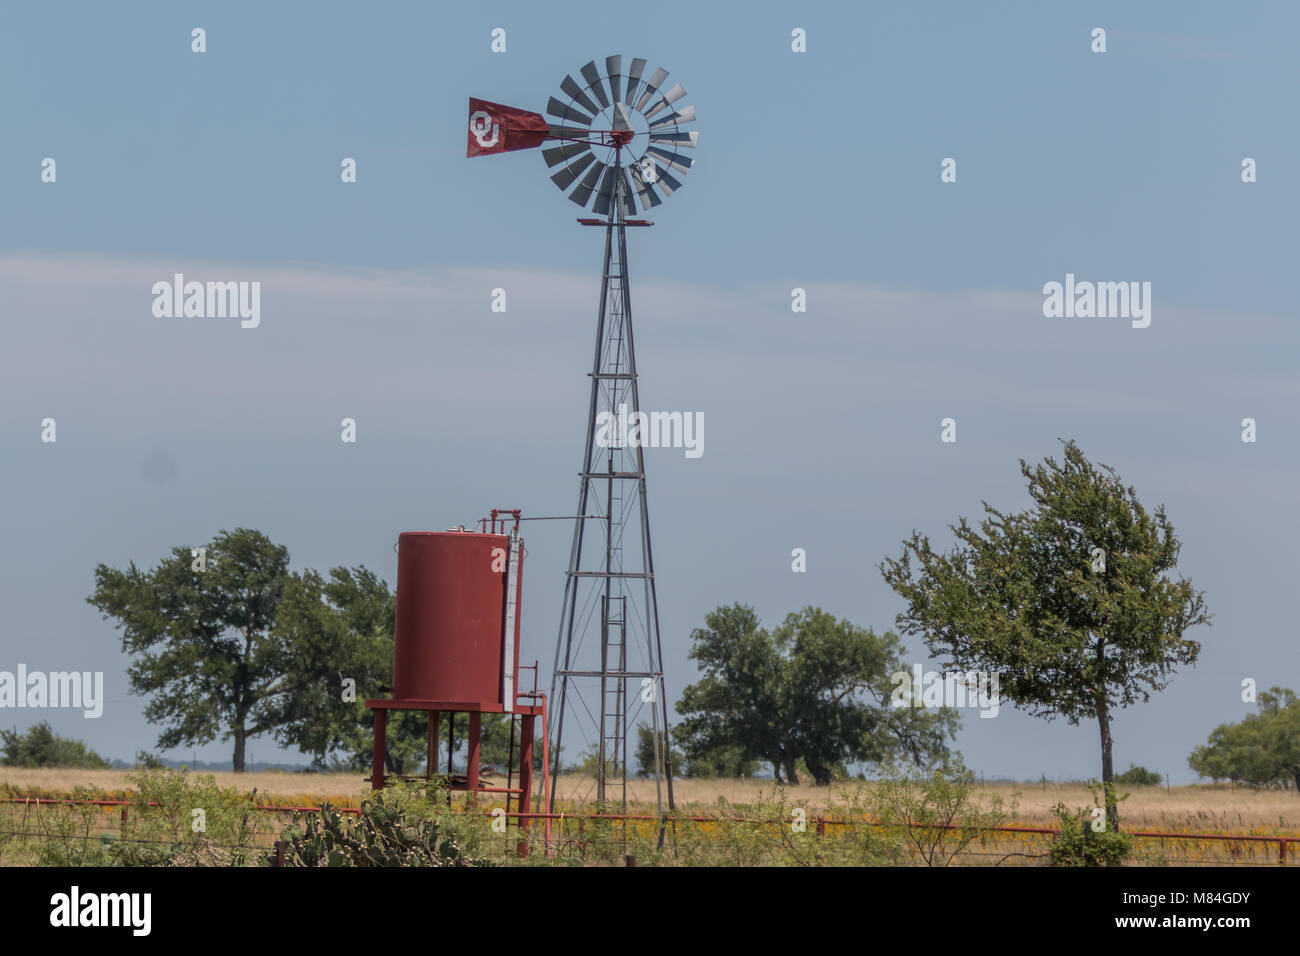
(475, 740)
(526, 764)
(525, 778)
(381, 745)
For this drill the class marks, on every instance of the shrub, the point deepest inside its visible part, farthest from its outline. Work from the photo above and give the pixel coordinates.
(384, 834)
(42, 747)
(1139, 777)
(1079, 845)
(940, 813)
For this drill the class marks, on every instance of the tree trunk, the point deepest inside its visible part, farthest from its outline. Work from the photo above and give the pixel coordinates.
(240, 740)
(1107, 768)
(776, 772)
(821, 773)
(791, 777)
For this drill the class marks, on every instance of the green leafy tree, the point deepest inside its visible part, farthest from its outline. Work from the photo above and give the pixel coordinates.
(646, 753)
(202, 642)
(341, 628)
(495, 747)
(1070, 602)
(816, 688)
(40, 746)
(1261, 751)
(243, 647)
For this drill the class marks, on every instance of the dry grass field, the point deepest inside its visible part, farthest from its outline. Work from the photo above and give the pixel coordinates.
(1199, 808)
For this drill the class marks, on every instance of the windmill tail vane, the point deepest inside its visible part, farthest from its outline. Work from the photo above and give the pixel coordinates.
(631, 116)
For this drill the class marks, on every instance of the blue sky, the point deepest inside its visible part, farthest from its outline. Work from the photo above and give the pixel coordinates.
(817, 170)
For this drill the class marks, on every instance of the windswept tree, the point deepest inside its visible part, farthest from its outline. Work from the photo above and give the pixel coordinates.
(816, 689)
(1263, 750)
(1070, 602)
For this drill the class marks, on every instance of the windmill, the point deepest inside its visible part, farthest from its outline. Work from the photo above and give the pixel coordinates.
(615, 142)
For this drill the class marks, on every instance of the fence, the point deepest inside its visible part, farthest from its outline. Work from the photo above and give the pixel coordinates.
(572, 836)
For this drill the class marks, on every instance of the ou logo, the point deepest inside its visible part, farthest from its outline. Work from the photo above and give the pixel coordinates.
(483, 129)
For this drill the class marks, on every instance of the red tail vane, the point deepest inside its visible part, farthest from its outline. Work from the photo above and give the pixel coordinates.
(494, 128)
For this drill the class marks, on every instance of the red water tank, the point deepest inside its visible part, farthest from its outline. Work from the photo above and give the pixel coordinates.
(451, 643)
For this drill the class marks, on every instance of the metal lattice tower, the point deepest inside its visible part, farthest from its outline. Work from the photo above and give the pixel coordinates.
(619, 137)
(609, 627)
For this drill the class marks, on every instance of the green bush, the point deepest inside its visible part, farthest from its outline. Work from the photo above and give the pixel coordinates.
(195, 822)
(42, 747)
(1139, 777)
(1079, 845)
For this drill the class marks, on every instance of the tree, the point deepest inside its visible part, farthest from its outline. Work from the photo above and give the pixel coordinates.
(202, 639)
(1069, 602)
(815, 688)
(42, 747)
(646, 752)
(341, 629)
(1261, 751)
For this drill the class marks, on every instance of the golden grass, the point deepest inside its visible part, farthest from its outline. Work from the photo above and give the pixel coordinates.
(1197, 808)
(1211, 807)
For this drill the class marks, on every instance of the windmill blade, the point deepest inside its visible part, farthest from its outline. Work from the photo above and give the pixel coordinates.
(652, 87)
(562, 154)
(613, 66)
(671, 97)
(685, 115)
(667, 183)
(565, 177)
(555, 108)
(601, 207)
(674, 160)
(633, 78)
(680, 139)
(592, 77)
(626, 195)
(588, 183)
(570, 86)
(646, 193)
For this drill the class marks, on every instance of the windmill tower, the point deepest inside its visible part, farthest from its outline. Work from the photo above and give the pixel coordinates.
(616, 143)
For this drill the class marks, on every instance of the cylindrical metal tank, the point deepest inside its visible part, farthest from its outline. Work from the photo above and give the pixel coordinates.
(451, 610)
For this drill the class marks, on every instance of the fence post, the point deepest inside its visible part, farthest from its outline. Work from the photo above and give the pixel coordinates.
(821, 826)
(279, 853)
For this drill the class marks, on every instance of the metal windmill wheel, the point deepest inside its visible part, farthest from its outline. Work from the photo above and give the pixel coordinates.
(619, 126)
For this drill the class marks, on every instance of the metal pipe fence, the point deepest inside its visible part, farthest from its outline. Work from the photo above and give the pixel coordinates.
(567, 835)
